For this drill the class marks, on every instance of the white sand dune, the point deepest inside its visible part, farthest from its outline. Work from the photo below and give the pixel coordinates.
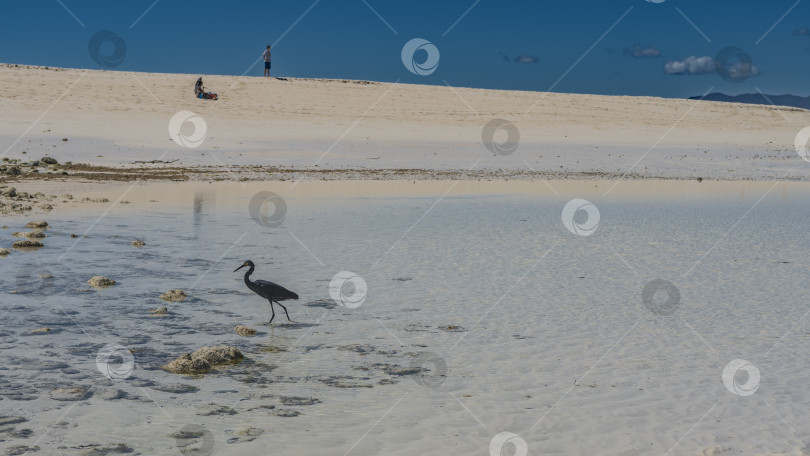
(123, 116)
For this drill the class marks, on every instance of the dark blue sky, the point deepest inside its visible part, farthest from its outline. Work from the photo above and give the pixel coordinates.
(346, 39)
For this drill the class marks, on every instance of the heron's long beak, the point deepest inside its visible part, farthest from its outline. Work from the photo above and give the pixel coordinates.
(240, 267)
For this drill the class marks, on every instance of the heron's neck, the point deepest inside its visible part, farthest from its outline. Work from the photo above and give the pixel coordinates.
(248, 273)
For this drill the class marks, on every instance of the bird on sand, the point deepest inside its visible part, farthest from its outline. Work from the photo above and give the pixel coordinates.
(268, 290)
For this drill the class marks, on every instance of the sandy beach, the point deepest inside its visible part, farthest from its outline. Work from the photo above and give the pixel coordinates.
(623, 277)
(309, 128)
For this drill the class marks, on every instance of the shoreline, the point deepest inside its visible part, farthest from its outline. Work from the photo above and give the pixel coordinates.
(245, 173)
(60, 196)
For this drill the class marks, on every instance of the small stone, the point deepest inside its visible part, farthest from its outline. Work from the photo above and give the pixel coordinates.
(159, 311)
(138, 243)
(452, 328)
(48, 161)
(100, 282)
(40, 330)
(4, 252)
(244, 331)
(10, 192)
(37, 224)
(173, 296)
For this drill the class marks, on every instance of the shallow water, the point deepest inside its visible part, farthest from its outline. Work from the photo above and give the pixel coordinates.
(544, 333)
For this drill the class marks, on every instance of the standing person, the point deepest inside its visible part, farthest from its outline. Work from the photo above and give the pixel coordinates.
(266, 56)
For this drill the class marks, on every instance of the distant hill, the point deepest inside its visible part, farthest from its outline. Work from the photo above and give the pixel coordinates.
(757, 98)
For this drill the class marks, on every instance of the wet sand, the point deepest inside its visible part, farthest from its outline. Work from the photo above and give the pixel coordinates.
(141, 196)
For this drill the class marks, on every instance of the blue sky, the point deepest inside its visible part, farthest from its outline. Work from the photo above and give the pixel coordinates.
(346, 39)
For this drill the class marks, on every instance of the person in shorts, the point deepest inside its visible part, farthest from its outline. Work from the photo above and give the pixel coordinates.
(266, 56)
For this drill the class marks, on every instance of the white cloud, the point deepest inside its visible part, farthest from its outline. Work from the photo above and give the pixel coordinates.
(642, 52)
(690, 65)
(707, 65)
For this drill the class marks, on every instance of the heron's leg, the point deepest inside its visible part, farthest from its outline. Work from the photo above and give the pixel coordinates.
(272, 310)
(285, 310)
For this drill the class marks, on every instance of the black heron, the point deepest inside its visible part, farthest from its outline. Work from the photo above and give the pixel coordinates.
(268, 290)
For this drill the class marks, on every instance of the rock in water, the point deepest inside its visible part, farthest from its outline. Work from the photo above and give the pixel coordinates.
(48, 161)
(138, 243)
(219, 354)
(203, 359)
(32, 245)
(185, 364)
(159, 311)
(100, 282)
(245, 331)
(36, 234)
(4, 252)
(173, 296)
(37, 224)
